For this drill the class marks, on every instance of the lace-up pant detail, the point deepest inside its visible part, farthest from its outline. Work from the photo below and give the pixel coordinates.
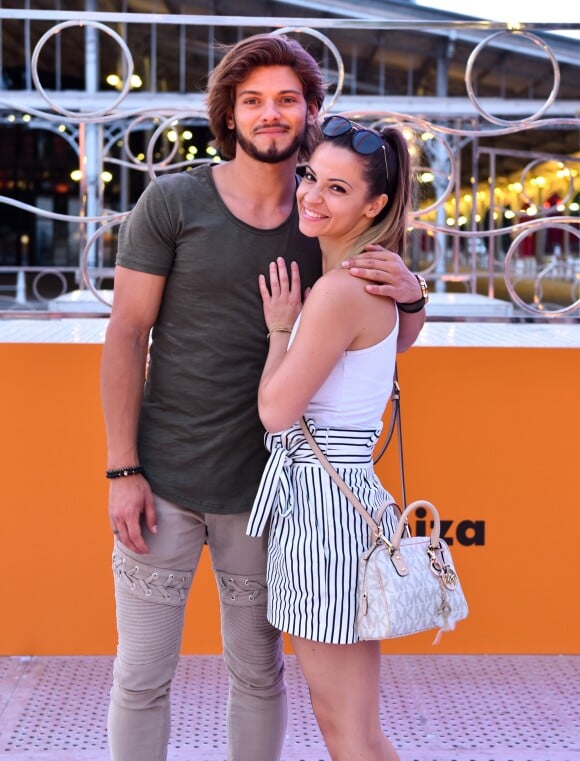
(150, 609)
(151, 592)
(150, 583)
(253, 656)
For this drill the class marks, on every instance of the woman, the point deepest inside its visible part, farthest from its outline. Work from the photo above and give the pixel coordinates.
(333, 362)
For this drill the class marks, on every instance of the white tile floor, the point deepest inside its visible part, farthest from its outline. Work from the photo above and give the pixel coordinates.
(448, 708)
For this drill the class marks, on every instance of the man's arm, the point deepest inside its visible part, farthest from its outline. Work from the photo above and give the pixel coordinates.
(410, 326)
(389, 276)
(135, 306)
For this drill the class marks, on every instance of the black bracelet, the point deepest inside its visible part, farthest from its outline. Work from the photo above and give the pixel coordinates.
(414, 306)
(132, 470)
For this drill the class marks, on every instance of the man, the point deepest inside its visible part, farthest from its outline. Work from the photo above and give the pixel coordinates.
(185, 451)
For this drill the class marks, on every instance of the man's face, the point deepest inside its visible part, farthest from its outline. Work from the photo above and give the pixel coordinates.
(270, 114)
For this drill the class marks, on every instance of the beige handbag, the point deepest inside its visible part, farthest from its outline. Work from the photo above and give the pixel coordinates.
(406, 584)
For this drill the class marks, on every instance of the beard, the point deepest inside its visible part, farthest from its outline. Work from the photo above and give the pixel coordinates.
(271, 155)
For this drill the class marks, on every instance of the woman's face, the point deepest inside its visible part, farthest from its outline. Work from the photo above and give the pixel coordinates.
(333, 197)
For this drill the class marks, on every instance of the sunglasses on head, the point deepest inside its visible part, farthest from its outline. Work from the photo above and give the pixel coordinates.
(364, 141)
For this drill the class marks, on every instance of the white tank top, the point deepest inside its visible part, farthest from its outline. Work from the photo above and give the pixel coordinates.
(357, 390)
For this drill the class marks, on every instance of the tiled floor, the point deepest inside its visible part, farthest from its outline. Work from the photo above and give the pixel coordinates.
(435, 708)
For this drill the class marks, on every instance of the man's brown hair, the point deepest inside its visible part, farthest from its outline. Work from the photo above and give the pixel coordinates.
(238, 63)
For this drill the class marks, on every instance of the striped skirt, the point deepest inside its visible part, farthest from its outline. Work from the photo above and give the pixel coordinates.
(316, 536)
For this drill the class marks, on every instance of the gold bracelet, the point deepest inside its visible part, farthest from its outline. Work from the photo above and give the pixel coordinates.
(278, 330)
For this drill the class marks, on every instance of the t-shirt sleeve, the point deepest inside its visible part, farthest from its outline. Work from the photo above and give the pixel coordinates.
(147, 235)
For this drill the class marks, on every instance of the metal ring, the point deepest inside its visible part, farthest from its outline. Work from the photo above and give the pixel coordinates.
(536, 41)
(48, 272)
(99, 27)
(333, 49)
(538, 307)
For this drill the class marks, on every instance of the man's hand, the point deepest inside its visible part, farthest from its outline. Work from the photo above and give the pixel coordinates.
(129, 499)
(387, 272)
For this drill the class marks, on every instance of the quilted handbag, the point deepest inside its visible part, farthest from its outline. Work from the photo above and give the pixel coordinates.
(408, 584)
(405, 585)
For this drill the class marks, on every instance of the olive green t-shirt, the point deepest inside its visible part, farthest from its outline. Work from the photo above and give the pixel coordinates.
(200, 438)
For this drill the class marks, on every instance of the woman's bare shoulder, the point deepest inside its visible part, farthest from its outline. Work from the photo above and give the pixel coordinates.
(339, 281)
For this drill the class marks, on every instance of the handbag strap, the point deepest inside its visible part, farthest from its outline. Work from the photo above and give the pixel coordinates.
(348, 493)
(402, 525)
(396, 422)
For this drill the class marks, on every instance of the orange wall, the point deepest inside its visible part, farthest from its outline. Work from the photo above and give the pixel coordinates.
(491, 435)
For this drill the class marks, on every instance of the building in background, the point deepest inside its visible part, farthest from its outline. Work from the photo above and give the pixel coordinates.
(89, 113)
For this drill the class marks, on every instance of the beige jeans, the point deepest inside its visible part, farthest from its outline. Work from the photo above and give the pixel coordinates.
(151, 592)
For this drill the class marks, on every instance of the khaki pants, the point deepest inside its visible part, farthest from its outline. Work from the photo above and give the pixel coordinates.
(151, 592)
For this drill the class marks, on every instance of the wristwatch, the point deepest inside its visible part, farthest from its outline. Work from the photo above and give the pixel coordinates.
(416, 306)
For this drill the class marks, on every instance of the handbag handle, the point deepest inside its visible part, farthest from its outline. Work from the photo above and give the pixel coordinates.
(401, 525)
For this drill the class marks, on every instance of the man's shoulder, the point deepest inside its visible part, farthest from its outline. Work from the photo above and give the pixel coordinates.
(176, 181)
(179, 190)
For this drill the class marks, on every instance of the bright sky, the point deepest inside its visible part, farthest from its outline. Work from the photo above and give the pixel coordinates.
(512, 10)
(515, 10)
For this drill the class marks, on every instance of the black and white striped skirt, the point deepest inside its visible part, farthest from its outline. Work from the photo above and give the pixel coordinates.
(316, 535)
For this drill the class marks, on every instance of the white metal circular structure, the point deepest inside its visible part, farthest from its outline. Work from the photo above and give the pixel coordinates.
(471, 93)
(101, 27)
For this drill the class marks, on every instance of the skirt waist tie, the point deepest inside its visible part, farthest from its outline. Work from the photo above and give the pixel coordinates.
(343, 447)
